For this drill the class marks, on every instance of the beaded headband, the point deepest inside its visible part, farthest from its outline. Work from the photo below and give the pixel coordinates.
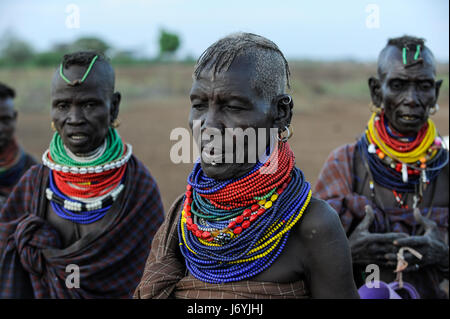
(77, 81)
(416, 56)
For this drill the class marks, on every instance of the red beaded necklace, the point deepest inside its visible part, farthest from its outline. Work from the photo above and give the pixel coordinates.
(395, 144)
(242, 192)
(88, 185)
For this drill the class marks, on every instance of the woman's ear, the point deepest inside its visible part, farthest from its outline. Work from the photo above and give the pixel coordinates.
(375, 91)
(283, 109)
(115, 102)
(437, 88)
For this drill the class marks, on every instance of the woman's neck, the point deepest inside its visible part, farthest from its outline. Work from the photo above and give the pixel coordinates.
(87, 157)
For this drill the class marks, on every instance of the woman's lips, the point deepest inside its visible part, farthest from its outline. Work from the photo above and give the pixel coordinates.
(410, 118)
(212, 156)
(78, 138)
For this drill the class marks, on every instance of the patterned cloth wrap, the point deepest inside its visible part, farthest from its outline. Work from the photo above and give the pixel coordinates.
(166, 276)
(33, 263)
(336, 186)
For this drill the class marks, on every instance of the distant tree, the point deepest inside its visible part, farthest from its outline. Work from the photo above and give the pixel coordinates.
(168, 44)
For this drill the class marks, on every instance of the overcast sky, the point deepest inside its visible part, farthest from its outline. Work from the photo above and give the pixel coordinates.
(354, 29)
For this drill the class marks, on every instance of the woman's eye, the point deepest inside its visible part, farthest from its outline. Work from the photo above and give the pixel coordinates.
(234, 107)
(397, 85)
(89, 105)
(62, 106)
(425, 85)
(199, 106)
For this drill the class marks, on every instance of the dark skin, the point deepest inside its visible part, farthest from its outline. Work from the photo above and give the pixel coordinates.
(8, 120)
(318, 240)
(82, 115)
(407, 94)
(221, 103)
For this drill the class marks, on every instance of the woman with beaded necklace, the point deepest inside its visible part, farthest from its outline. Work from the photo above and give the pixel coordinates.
(246, 229)
(92, 205)
(391, 186)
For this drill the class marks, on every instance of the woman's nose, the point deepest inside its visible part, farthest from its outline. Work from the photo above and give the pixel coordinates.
(75, 115)
(411, 98)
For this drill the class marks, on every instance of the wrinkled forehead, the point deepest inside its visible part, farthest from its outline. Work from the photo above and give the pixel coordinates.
(238, 77)
(391, 64)
(241, 66)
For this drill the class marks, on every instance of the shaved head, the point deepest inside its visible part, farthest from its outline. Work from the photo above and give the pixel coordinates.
(270, 72)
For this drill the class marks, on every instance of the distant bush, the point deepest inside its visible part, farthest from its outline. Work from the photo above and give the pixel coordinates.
(15, 51)
(46, 59)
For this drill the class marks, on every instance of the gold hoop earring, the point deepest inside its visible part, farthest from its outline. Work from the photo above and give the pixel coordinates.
(115, 123)
(52, 125)
(434, 109)
(375, 109)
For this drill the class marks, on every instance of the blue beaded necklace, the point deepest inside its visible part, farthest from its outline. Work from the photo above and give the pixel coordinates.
(390, 178)
(247, 254)
(82, 217)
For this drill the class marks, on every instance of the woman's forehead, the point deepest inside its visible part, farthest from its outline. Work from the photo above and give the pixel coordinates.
(419, 71)
(234, 81)
(391, 65)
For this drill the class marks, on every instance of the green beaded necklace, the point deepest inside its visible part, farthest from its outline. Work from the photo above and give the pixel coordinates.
(114, 150)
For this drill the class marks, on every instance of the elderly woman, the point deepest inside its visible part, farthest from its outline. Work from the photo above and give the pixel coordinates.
(81, 224)
(391, 186)
(246, 229)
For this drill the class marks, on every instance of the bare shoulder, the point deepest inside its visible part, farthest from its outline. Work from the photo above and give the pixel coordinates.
(320, 223)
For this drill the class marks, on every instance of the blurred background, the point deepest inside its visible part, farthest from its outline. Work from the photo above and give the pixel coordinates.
(332, 47)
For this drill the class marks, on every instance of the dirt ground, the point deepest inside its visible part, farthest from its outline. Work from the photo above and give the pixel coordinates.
(148, 124)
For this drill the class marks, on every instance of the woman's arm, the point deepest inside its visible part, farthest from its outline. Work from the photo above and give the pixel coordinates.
(328, 262)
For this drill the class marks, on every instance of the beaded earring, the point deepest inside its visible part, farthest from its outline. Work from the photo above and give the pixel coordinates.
(52, 125)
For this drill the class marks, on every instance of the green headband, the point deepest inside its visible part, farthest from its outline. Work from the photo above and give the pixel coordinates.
(78, 81)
